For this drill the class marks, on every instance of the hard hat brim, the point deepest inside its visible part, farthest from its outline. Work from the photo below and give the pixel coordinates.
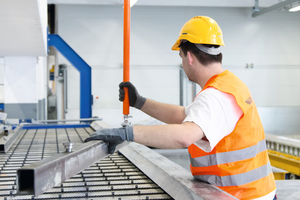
(176, 46)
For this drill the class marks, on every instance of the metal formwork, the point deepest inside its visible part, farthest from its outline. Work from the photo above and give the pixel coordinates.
(135, 172)
(112, 178)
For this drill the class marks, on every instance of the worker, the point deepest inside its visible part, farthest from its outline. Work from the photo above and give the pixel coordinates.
(221, 127)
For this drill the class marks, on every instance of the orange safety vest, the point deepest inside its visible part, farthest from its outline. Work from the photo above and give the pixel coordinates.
(239, 163)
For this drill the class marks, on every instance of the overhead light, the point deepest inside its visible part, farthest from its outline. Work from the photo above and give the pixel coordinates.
(295, 7)
(132, 2)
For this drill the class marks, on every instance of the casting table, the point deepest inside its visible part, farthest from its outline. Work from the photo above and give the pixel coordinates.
(115, 177)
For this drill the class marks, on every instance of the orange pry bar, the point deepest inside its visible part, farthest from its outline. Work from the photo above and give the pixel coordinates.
(126, 54)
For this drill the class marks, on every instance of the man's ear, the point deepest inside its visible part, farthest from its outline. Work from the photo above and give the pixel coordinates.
(190, 57)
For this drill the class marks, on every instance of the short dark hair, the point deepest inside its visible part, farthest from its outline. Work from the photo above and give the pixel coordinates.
(204, 58)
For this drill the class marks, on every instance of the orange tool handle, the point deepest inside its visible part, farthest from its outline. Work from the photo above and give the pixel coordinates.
(126, 54)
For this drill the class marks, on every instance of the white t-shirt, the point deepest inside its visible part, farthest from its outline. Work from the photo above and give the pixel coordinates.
(216, 113)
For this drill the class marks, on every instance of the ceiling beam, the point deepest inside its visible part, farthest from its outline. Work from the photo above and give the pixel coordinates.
(271, 8)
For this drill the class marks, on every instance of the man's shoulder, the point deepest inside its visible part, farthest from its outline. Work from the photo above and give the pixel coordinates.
(211, 91)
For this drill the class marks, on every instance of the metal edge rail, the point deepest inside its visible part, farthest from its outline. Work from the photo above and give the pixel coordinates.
(39, 177)
(47, 126)
(172, 178)
(7, 141)
(99, 125)
(67, 120)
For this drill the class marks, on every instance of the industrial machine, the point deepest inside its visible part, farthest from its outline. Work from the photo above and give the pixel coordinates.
(284, 153)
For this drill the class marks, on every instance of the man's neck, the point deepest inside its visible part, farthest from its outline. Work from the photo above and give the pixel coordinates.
(208, 72)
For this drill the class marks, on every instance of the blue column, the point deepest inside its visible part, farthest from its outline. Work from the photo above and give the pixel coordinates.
(84, 70)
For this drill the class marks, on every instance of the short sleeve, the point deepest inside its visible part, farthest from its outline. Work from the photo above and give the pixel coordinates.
(216, 113)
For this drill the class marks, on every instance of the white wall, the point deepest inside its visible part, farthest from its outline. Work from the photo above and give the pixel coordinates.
(271, 42)
(25, 87)
(20, 85)
(20, 80)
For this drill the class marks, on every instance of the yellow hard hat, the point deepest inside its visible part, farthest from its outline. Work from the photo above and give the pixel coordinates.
(200, 30)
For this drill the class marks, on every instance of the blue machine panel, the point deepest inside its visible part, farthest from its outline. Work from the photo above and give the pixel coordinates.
(84, 70)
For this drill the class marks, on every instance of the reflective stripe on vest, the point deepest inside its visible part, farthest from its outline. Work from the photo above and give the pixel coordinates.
(228, 157)
(238, 179)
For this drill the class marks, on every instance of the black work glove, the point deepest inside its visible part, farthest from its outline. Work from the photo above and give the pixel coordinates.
(135, 100)
(114, 136)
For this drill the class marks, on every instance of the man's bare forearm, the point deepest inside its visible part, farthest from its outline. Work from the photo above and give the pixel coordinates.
(171, 136)
(168, 113)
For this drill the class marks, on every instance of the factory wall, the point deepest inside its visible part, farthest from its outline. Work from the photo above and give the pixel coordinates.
(23, 89)
(262, 51)
(20, 87)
